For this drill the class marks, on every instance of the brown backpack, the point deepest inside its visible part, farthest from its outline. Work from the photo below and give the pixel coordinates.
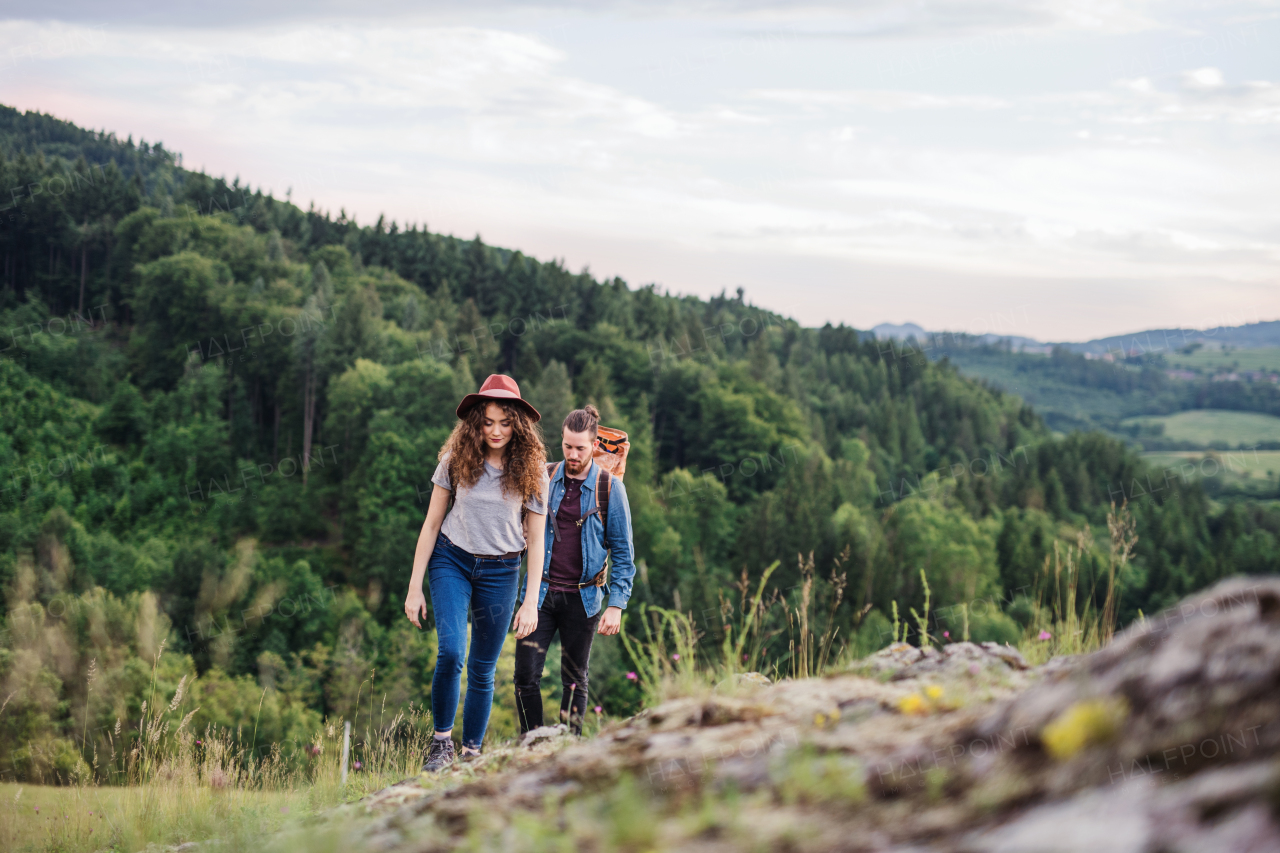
(610, 456)
(611, 450)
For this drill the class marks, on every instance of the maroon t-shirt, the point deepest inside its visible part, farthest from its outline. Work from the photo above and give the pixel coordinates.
(565, 571)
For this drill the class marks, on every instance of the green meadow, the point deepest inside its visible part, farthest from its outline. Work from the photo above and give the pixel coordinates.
(1207, 426)
(1212, 359)
(1238, 464)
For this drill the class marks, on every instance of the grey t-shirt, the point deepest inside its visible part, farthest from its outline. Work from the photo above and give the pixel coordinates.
(484, 520)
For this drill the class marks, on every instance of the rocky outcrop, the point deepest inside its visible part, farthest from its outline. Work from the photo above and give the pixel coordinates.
(1167, 739)
(1164, 741)
(901, 661)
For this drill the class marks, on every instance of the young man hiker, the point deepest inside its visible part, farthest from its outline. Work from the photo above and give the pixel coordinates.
(588, 519)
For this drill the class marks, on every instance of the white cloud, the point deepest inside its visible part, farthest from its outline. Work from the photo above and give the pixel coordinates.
(877, 99)
(1203, 95)
(862, 18)
(950, 18)
(314, 71)
(1202, 78)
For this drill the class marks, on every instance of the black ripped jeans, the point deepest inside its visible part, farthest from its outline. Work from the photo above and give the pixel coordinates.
(563, 612)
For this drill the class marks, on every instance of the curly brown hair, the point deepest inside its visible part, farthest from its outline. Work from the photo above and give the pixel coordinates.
(525, 456)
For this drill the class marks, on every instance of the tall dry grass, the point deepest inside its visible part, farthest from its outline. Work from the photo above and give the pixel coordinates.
(810, 652)
(1065, 620)
(675, 657)
(166, 750)
(165, 783)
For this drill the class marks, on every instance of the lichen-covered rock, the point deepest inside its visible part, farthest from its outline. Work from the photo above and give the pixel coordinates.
(1219, 811)
(533, 737)
(1166, 740)
(1198, 685)
(900, 661)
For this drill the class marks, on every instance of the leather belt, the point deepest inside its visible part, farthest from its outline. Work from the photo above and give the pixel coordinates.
(596, 580)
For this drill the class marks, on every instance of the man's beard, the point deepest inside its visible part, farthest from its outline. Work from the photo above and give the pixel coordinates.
(581, 467)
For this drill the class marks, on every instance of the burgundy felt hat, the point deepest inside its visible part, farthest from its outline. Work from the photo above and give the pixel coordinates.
(498, 387)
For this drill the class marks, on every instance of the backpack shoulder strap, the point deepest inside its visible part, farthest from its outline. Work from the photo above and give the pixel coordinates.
(551, 475)
(604, 485)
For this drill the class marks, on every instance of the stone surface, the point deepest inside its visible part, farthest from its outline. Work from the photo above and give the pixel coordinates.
(1166, 740)
(533, 737)
(754, 678)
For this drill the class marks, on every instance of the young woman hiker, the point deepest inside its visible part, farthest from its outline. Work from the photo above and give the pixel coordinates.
(494, 465)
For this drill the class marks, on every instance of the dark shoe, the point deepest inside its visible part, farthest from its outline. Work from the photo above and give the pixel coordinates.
(440, 755)
(465, 756)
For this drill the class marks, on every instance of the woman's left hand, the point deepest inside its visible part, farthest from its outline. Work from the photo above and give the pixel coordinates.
(526, 620)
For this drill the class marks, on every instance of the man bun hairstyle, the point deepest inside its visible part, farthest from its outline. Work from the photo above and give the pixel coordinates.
(586, 419)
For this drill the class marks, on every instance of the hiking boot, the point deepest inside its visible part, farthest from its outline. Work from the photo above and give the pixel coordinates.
(439, 755)
(465, 756)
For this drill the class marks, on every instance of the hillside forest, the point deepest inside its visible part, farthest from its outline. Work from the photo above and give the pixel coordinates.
(220, 413)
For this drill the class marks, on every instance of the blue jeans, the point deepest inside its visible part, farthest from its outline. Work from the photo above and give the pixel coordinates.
(462, 583)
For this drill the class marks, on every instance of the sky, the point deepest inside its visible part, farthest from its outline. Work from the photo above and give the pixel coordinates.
(1063, 170)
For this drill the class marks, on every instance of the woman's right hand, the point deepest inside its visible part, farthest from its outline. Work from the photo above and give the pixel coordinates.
(415, 606)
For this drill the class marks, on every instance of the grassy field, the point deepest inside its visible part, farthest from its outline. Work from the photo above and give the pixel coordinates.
(183, 788)
(1205, 426)
(1212, 359)
(1245, 464)
(89, 818)
(1253, 472)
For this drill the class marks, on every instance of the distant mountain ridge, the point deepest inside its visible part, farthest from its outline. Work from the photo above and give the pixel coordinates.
(1264, 334)
(1251, 335)
(906, 331)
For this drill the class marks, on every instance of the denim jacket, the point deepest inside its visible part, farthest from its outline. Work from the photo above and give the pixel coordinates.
(596, 542)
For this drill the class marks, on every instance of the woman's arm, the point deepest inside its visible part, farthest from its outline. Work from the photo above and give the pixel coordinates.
(415, 603)
(535, 533)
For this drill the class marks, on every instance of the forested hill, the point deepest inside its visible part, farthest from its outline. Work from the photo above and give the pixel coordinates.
(220, 414)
